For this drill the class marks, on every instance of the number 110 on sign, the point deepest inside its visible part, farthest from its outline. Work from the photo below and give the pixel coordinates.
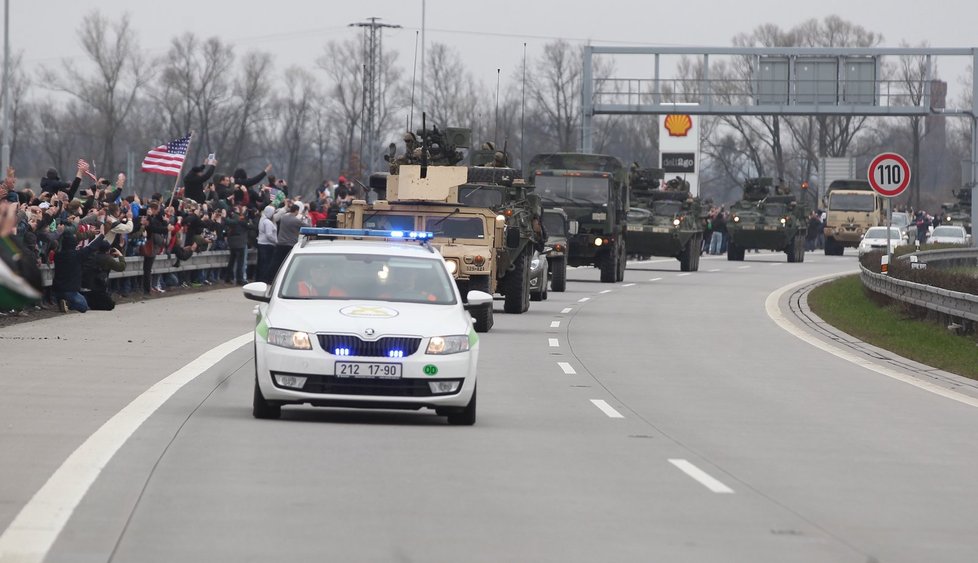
(889, 174)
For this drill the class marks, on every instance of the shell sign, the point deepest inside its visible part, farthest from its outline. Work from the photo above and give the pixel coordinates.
(678, 125)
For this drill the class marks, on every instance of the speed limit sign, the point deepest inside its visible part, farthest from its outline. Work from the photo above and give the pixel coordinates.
(889, 174)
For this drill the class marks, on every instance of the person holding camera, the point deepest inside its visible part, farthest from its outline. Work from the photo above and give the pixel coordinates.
(68, 261)
(237, 237)
(95, 275)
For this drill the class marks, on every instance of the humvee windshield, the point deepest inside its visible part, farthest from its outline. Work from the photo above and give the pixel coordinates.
(554, 224)
(389, 222)
(852, 202)
(456, 227)
(581, 189)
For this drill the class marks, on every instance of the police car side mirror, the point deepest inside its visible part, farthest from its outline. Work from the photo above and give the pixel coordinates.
(257, 291)
(477, 298)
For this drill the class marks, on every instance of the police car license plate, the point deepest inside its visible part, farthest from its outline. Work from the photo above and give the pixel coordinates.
(367, 369)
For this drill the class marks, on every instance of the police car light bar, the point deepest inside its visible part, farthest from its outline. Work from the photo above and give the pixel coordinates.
(363, 233)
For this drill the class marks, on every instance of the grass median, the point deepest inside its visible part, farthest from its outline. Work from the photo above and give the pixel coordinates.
(844, 304)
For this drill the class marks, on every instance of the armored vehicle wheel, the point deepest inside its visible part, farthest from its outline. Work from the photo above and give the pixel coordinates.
(558, 282)
(688, 257)
(516, 285)
(792, 251)
(608, 263)
(734, 252)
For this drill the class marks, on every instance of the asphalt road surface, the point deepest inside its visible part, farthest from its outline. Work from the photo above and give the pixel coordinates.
(672, 417)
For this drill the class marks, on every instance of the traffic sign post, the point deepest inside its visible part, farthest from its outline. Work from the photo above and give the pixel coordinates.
(889, 176)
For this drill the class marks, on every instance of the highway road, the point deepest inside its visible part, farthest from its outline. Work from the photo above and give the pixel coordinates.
(698, 417)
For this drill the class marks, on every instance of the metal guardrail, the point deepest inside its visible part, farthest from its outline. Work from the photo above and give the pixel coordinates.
(952, 303)
(164, 264)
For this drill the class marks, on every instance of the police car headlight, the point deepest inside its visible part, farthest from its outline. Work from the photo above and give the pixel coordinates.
(289, 339)
(442, 345)
(452, 266)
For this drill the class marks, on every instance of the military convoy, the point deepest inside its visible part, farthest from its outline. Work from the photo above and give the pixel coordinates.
(664, 221)
(592, 190)
(768, 217)
(959, 212)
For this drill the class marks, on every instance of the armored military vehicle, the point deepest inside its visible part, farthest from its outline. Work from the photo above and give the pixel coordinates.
(592, 189)
(555, 224)
(768, 217)
(959, 212)
(673, 225)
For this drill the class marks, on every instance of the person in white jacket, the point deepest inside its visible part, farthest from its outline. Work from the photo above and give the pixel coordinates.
(267, 238)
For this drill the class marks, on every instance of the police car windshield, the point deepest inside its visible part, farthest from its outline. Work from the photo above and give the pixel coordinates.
(455, 227)
(367, 278)
(575, 188)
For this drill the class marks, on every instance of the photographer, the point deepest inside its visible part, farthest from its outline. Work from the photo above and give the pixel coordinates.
(237, 237)
(68, 261)
(95, 275)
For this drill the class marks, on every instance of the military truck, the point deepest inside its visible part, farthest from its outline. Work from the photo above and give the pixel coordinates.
(853, 207)
(959, 212)
(673, 225)
(471, 239)
(555, 224)
(768, 217)
(592, 189)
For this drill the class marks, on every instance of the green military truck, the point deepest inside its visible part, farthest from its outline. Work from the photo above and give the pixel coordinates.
(768, 217)
(664, 221)
(959, 211)
(592, 189)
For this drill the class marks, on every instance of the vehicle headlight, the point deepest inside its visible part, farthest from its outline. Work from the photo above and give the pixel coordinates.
(736, 218)
(783, 220)
(598, 241)
(534, 264)
(452, 266)
(675, 222)
(443, 345)
(289, 339)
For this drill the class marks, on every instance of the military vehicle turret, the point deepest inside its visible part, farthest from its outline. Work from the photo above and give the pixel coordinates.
(959, 212)
(768, 217)
(592, 189)
(664, 221)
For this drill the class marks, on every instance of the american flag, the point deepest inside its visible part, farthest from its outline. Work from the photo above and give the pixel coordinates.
(167, 159)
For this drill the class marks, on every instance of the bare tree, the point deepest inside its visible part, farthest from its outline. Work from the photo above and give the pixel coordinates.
(554, 92)
(911, 73)
(120, 74)
(296, 110)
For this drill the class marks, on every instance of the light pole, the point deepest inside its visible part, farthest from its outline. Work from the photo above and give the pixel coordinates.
(5, 149)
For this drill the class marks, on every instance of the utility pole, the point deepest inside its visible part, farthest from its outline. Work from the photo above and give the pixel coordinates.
(372, 83)
(5, 149)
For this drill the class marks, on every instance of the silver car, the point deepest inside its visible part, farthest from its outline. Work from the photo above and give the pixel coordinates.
(538, 277)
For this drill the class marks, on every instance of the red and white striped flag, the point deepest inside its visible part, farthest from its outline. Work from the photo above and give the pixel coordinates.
(84, 165)
(167, 159)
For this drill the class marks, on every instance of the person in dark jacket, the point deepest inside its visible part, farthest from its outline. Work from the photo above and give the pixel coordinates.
(95, 275)
(156, 230)
(68, 261)
(51, 183)
(195, 180)
(237, 237)
(241, 177)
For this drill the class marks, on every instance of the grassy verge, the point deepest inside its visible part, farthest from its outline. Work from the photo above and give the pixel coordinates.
(845, 305)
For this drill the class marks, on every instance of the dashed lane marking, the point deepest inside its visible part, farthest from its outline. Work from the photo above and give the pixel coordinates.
(715, 270)
(684, 274)
(605, 291)
(554, 324)
(628, 285)
(655, 279)
(568, 369)
(566, 310)
(554, 343)
(583, 299)
(702, 477)
(606, 408)
(742, 267)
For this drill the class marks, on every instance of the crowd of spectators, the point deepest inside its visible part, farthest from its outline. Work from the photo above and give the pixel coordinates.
(85, 229)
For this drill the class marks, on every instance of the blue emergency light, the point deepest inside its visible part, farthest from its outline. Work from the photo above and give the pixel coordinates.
(365, 233)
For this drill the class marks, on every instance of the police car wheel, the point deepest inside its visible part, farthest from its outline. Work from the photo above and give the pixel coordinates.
(466, 416)
(262, 408)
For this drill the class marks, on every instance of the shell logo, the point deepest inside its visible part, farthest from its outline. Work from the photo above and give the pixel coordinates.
(678, 125)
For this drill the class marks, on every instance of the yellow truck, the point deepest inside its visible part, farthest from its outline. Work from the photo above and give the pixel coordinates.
(852, 208)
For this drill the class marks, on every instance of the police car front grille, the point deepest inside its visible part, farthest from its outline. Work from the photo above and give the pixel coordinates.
(386, 347)
(331, 385)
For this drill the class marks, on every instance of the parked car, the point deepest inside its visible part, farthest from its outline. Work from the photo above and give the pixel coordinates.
(875, 239)
(949, 234)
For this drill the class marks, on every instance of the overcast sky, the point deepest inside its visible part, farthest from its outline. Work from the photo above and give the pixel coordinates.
(489, 35)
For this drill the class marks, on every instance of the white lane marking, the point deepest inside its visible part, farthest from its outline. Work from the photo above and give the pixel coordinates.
(742, 267)
(686, 274)
(583, 299)
(701, 476)
(554, 343)
(566, 310)
(628, 285)
(606, 408)
(715, 270)
(776, 264)
(554, 324)
(649, 261)
(774, 311)
(655, 279)
(36, 527)
(605, 291)
(568, 369)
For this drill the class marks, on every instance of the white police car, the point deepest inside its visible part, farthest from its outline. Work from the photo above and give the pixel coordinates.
(365, 323)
